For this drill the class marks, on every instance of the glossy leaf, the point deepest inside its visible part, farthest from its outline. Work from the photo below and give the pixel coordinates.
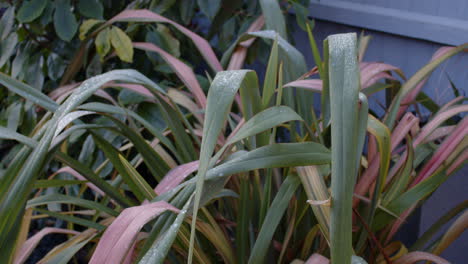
(91, 8)
(209, 7)
(31, 10)
(64, 20)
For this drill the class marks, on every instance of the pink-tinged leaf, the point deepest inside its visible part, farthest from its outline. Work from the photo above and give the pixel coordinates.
(454, 231)
(376, 78)
(426, 131)
(458, 162)
(103, 94)
(371, 147)
(119, 237)
(144, 15)
(439, 133)
(132, 253)
(175, 176)
(314, 85)
(417, 256)
(240, 53)
(80, 177)
(234, 132)
(183, 71)
(403, 128)
(444, 151)
(28, 246)
(317, 259)
(452, 102)
(370, 174)
(437, 121)
(411, 96)
(56, 93)
(138, 88)
(371, 72)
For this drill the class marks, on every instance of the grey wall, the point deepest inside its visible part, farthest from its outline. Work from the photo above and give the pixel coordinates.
(409, 55)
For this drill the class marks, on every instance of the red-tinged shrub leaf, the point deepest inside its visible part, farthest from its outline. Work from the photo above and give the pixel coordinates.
(416, 256)
(452, 102)
(444, 151)
(239, 55)
(184, 72)
(28, 246)
(132, 87)
(314, 85)
(411, 96)
(437, 121)
(427, 130)
(175, 176)
(458, 162)
(80, 177)
(119, 237)
(144, 15)
(371, 72)
(403, 128)
(56, 93)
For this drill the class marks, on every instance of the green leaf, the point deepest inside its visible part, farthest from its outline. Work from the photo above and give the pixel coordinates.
(161, 6)
(28, 92)
(264, 120)
(95, 179)
(91, 8)
(18, 181)
(170, 42)
(187, 10)
(103, 43)
(72, 219)
(347, 137)
(209, 7)
(382, 134)
(138, 187)
(274, 18)
(66, 199)
(273, 156)
(220, 97)
(7, 48)
(64, 20)
(31, 10)
(67, 254)
(403, 176)
(55, 183)
(55, 66)
(409, 198)
(301, 13)
(7, 21)
(274, 215)
(6, 133)
(87, 25)
(137, 178)
(122, 44)
(434, 229)
(158, 251)
(415, 80)
(271, 75)
(14, 115)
